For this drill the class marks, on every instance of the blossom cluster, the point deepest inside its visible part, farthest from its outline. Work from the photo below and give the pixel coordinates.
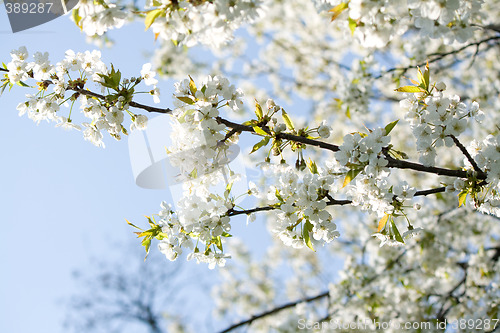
(184, 22)
(302, 218)
(69, 77)
(201, 218)
(376, 23)
(197, 136)
(486, 154)
(97, 17)
(436, 118)
(206, 22)
(200, 152)
(364, 151)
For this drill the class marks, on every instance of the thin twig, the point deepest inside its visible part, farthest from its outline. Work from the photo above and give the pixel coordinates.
(438, 56)
(466, 153)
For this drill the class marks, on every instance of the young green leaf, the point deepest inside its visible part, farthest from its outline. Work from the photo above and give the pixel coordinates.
(192, 86)
(396, 232)
(308, 227)
(351, 174)
(260, 144)
(390, 126)
(337, 10)
(77, 18)
(146, 242)
(260, 131)
(287, 120)
(258, 110)
(185, 99)
(278, 195)
(462, 196)
(410, 89)
(218, 242)
(133, 225)
(228, 190)
(312, 166)
(427, 75)
(151, 16)
(352, 25)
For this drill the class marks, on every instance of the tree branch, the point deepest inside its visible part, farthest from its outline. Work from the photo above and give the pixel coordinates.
(401, 164)
(275, 310)
(466, 153)
(131, 103)
(286, 136)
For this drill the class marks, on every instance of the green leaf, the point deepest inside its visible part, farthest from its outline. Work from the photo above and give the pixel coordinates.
(218, 242)
(423, 78)
(382, 222)
(151, 223)
(287, 120)
(147, 244)
(3, 87)
(420, 77)
(116, 77)
(77, 18)
(260, 144)
(278, 195)
(258, 110)
(133, 225)
(151, 16)
(22, 84)
(192, 86)
(337, 10)
(225, 234)
(427, 75)
(410, 89)
(312, 166)
(352, 25)
(390, 126)
(462, 196)
(260, 131)
(185, 99)
(396, 232)
(228, 190)
(308, 227)
(351, 174)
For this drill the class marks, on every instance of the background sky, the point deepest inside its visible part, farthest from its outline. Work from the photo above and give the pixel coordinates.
(63, 201)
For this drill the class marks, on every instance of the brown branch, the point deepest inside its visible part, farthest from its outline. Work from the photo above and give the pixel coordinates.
(431, 191)
(331, 202)
(275, 310)
(286, 136)
(131, 103)
(233, 212)
(466, 153)
(401, 164)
